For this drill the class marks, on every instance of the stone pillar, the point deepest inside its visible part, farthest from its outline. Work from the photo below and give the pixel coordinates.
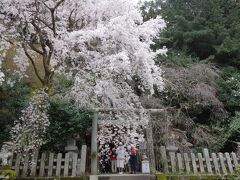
(94, 149)
(150, 148)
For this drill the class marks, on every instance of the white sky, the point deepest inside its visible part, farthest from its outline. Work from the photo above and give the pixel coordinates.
(136, 1)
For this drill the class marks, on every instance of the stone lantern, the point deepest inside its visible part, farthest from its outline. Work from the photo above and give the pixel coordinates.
(71, 145)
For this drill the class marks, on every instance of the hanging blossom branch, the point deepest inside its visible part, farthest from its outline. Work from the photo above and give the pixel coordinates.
(103, 46)
(29, 130)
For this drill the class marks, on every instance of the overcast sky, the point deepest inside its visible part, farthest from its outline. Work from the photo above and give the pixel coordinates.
(136, 1)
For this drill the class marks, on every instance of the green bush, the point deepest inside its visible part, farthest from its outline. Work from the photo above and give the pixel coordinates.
(7, 172)
(229, 88)
(13, 99)
(161, 176)
(66, 120)
(176, 59)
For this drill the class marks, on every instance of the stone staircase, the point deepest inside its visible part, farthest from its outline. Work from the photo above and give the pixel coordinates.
(122, 177)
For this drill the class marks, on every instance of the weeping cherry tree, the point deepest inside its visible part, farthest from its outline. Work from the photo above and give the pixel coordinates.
(101, 45)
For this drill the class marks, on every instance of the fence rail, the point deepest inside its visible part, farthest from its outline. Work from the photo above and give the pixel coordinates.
(190, 163)
(49, 164)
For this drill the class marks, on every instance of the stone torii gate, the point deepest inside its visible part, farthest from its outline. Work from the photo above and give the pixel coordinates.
(94, 143)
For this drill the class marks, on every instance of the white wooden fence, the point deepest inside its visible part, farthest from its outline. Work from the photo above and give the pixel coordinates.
(200, 163)
(49, 164)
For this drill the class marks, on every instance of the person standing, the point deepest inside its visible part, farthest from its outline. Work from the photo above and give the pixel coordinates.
(120, 157)
(133, 159)
(113, 158)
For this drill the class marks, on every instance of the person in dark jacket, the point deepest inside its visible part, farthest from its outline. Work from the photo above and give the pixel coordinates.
(133, 159)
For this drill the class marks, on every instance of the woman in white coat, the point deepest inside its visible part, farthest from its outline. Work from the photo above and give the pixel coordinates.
(120, 157)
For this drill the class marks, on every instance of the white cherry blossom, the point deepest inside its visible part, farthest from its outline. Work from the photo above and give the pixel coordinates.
(102, 45)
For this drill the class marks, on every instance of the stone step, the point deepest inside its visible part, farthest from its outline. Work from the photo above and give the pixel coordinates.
(123, 177)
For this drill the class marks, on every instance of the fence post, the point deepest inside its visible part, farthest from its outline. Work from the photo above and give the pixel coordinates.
(59, 164)
(83, 159)
(194, 164)
(66, 165)
(180, 162)
(215, 162)
(164, 158)
(186, 159)
(34, 164)
(207, 159)
(200, 160)
(235, 161)
(74, 164)
(224, 170)
(17, 164)
(173, 161)
(50, 164)
(42, 165)
(25, 165)
(229, 162)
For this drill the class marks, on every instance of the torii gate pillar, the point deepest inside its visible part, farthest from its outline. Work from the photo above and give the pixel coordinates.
(94, 149)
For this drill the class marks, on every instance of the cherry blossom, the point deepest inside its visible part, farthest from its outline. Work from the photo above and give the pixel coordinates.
(102, 45)
(29, 130)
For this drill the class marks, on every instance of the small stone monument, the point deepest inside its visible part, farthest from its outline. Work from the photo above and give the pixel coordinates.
(71, 145)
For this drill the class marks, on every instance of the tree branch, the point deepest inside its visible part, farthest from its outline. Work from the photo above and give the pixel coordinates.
(46, 5)
(53, 22)
(45, 23)
(52, 16)
(58, 4)
(33, 63)
(39, 32)
(7, 40)
(34, 48)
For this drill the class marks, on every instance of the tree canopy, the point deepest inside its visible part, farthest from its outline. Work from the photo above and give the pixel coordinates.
(201, 69)
(99, 45)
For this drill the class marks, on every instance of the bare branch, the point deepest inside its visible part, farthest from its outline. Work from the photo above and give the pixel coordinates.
(53, 18)
(46, 5)
(35, 49)
(58, 4)
(33, 63)
(53, 22)
(39, 32)
(45, 23)
(7, 40)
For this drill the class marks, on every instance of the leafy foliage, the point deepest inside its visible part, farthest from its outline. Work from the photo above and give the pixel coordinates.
(13, 99)
(201, 36)
(201, 28)
(229, 88)
(66, 120)
(8, 172)
(175, 58)
(231, 134)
